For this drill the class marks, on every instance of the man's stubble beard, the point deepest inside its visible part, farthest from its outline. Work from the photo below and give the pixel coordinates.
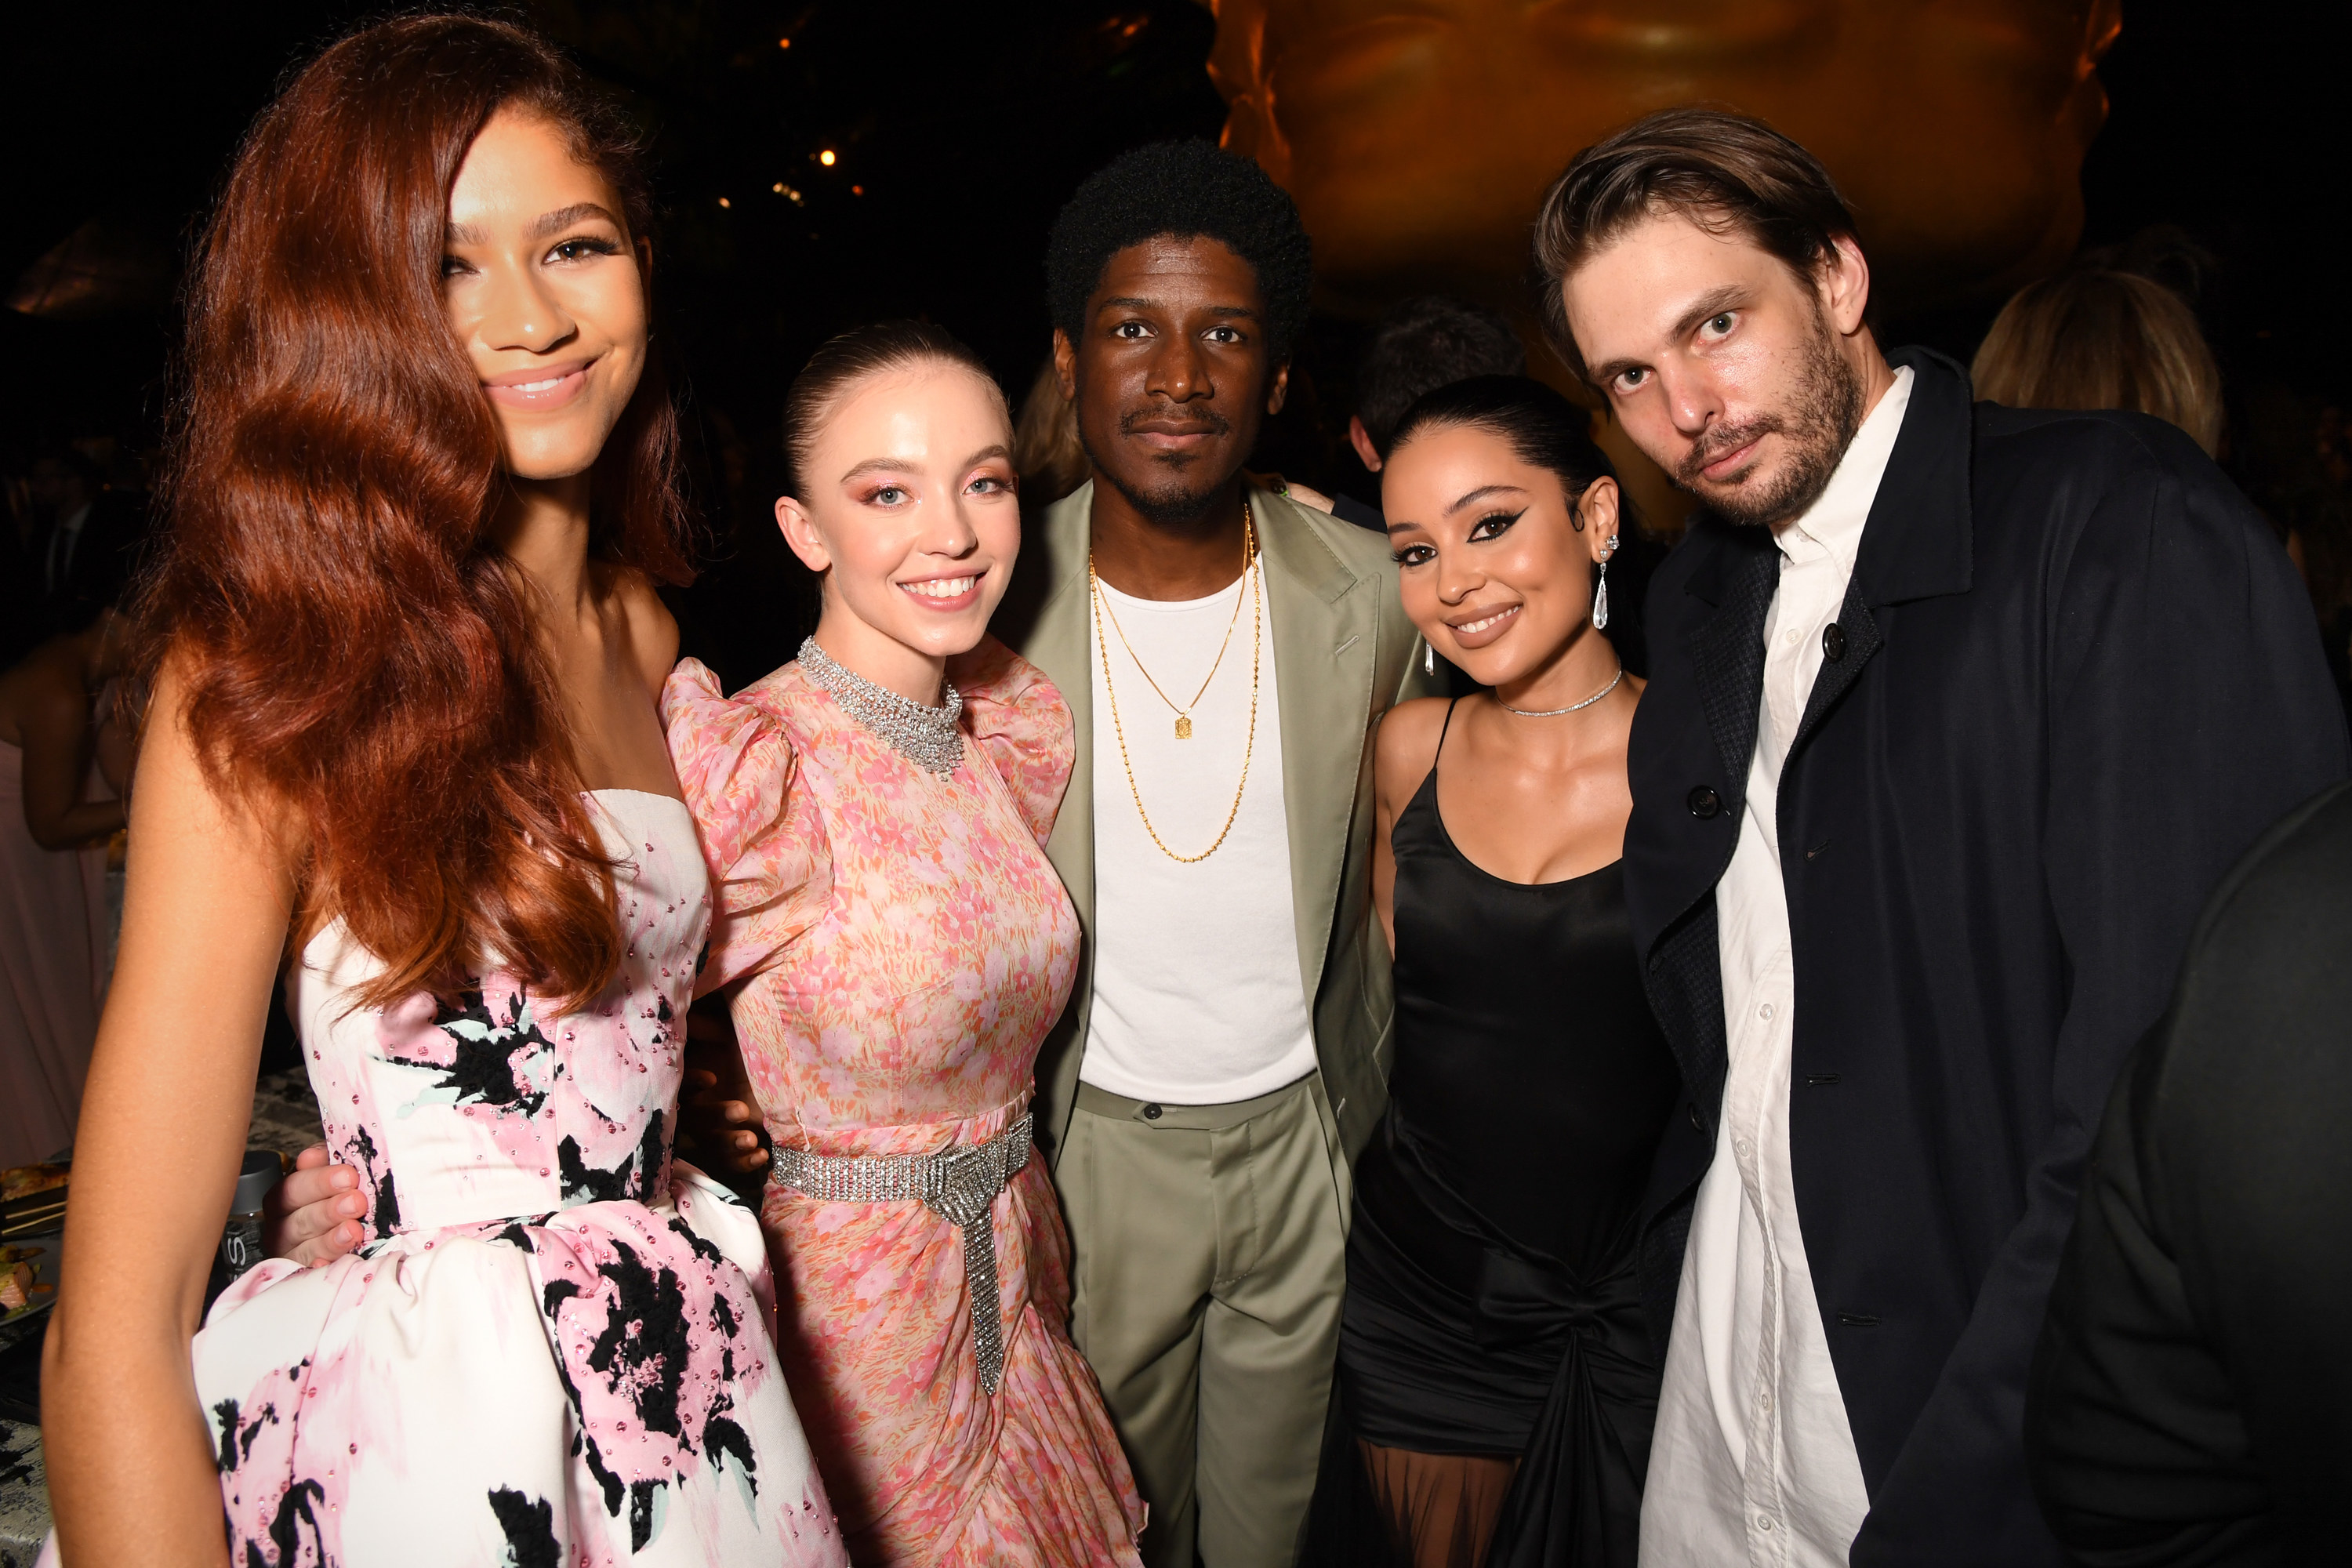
(1175, 505)
(1174, 508)
(1819, 426)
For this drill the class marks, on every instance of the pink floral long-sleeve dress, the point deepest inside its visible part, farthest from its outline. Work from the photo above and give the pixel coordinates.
(553, 1347)
(903, 945)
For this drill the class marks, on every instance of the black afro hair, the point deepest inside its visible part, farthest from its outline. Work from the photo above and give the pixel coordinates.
(1187, 189)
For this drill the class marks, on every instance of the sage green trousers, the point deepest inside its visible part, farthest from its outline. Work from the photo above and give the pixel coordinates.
(1209, 1249)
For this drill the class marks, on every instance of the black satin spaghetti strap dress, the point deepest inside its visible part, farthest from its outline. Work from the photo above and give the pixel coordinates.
(1493, 1307)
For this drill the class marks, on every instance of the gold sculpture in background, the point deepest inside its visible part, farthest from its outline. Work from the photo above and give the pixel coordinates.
(1418, 135)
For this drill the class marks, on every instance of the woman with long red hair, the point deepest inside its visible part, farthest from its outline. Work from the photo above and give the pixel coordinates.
(404, 741)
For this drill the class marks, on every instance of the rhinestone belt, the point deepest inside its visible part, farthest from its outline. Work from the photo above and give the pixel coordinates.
(958, 1185)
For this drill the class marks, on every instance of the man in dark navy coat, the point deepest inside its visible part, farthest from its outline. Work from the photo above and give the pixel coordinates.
(1956, 715)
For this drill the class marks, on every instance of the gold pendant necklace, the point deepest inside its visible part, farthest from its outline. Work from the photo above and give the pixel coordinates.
(1183, 723)
(1183, 712)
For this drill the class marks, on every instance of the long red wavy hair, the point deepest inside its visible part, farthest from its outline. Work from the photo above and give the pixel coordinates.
(352, 647)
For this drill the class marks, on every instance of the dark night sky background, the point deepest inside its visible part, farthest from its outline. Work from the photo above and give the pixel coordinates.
(967, 125)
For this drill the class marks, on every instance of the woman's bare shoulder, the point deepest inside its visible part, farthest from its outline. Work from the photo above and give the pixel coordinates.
(1407, 743)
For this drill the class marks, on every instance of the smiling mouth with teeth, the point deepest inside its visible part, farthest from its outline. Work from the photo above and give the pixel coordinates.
(941, 587)
(549, 384)
(1480, 626)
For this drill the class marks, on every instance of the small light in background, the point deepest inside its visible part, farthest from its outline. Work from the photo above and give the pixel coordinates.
(784, 43)
(857, 190)
(826, 158)
(723, 202)
(778, 187)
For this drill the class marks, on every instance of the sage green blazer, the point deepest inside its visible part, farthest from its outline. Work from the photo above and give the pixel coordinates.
(1343, 655)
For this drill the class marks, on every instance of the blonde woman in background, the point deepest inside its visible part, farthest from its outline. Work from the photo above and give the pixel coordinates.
(1045, 449)
(2096, 338)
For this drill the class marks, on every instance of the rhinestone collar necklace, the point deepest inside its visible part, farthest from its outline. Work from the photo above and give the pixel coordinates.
(1571, 707)
(927, 737)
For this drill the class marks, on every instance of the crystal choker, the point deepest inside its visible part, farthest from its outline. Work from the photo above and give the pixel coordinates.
(927, 737)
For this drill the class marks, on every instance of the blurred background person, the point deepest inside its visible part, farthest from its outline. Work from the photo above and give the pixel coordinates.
(1046, 452)
(89, 503)
(2095, 337)
(64, 486)
(20, 583)
(1418, 346)
(58, 812)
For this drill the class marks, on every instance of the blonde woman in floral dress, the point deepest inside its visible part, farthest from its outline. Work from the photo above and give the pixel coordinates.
(895, 945)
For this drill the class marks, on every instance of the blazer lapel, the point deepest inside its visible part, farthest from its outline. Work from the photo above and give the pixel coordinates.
(1325, 629)
(1727, 653)
(1920, 539)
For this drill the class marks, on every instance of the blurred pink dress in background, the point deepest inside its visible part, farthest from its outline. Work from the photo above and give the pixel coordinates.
(53, 959)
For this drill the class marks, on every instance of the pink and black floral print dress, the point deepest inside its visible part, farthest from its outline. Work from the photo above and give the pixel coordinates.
(554, 1347)
(903, 945)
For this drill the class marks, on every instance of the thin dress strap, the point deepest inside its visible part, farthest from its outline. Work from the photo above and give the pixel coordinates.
(1442, 729)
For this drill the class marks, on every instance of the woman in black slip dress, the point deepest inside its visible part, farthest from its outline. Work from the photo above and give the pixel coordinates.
(1495, 1371)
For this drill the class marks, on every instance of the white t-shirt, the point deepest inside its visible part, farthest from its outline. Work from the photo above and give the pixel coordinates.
(1197, 995)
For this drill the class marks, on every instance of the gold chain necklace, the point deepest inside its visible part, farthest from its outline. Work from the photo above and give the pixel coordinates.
(1184, 710)
(1258, 631)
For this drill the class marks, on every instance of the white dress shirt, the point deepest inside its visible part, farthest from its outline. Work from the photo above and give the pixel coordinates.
(1753, 1461)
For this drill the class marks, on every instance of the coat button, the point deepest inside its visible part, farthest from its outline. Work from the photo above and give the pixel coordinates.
(1151, 1113)
(1833, 642)
(1704, 803)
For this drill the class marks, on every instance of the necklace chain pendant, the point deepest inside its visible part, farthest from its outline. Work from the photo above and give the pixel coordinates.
(1183, 726)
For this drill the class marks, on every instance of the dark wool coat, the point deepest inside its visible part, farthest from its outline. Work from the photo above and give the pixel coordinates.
(2076, 678)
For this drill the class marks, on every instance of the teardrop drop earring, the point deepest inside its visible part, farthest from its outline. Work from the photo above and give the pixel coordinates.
(1600, 586)
(1428, 659)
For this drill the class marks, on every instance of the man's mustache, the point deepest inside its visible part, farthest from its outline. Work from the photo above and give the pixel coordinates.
(1717, 442)
(1199, 422)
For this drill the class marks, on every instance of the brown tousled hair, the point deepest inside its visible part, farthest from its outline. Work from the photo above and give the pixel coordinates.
(2093, 338)
(1728, 172)
(353, 648)
(848, 358)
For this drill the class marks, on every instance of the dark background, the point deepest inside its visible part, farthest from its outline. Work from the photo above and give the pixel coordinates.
(958, 129)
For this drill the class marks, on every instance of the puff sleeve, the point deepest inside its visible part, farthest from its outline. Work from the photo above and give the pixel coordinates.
(762, 839)
(1021, 725)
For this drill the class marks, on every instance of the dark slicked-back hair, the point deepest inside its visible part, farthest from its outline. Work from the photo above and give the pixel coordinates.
(1186, 190)
(1724, 171)
(1423, 344)
(1545, 429)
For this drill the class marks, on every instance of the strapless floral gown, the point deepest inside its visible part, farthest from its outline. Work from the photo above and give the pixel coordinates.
(903, 945)
(555, 1346)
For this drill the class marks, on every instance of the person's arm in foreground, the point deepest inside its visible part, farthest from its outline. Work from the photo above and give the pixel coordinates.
(2189, 1394)
(130, 1458)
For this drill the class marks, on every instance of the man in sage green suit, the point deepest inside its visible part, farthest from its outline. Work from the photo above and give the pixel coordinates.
(1226, 653)
(1342, 643)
